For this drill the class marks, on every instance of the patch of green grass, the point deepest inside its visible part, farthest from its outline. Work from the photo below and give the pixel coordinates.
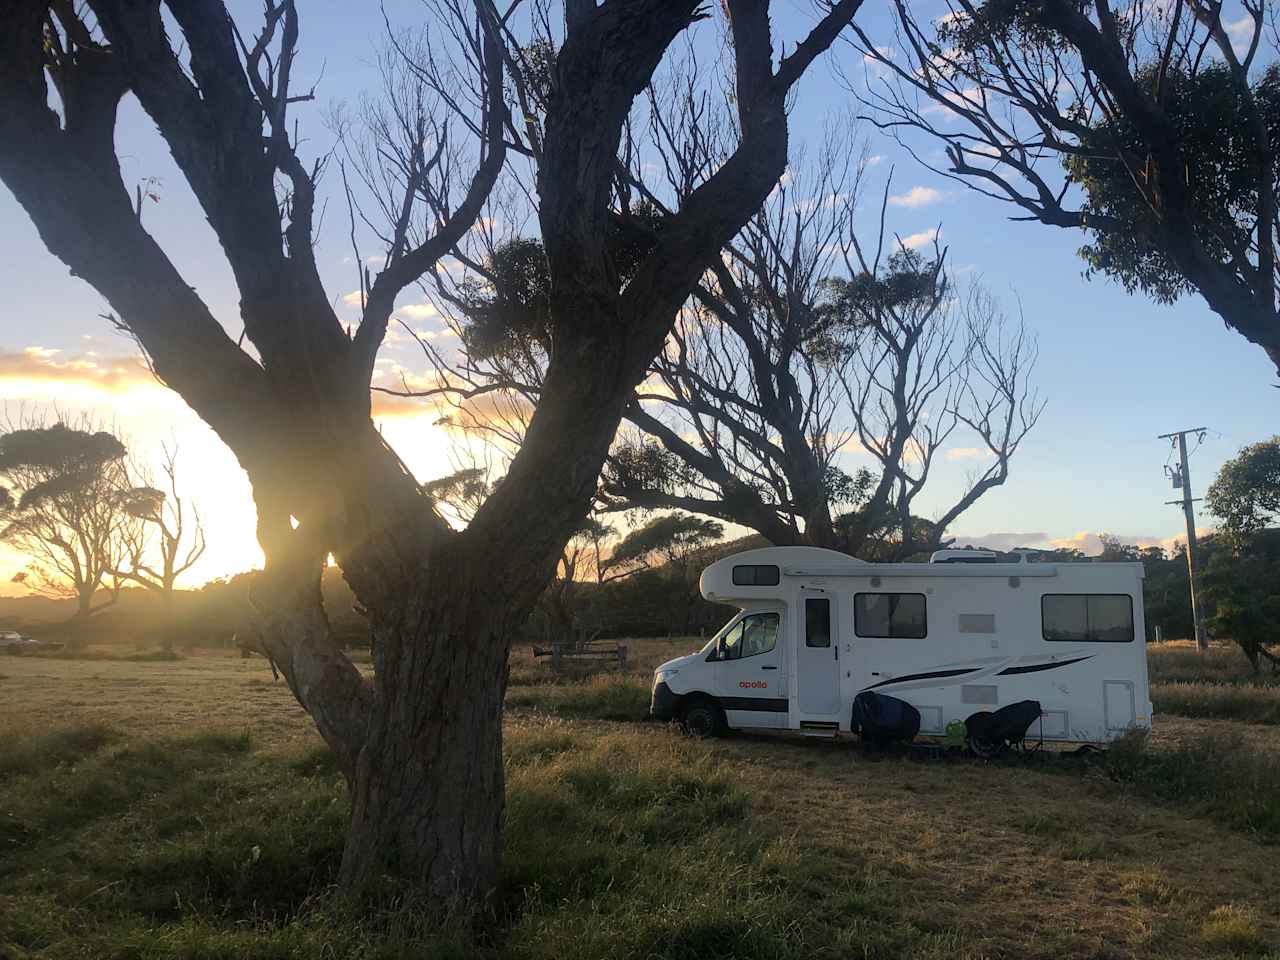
(28, 754)
(1252, 703)
(1217, 774)
(317, 761)
(199, 847)
(56, 800)
(606, 697)
(622, 841)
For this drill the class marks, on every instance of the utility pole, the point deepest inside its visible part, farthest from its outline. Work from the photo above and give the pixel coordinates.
(1182, 478)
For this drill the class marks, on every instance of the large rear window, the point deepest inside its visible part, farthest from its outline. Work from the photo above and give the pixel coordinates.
(1087, 617)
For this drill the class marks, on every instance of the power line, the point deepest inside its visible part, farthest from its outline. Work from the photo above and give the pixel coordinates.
(1181, 476)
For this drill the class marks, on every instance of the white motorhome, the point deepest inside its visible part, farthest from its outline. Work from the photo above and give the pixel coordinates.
(951, 637)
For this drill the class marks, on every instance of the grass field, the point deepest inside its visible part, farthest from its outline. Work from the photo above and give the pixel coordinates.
(1216, 684)
(187, 809)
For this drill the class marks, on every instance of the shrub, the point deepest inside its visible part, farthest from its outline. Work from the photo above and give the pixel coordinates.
(1215, 772)
(1234, 929)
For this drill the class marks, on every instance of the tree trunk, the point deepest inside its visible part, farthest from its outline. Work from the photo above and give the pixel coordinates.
(427, 792)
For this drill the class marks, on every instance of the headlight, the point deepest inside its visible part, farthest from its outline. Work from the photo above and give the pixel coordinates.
(663, 675)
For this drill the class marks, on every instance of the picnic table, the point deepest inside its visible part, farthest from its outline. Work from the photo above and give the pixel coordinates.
(588, 652)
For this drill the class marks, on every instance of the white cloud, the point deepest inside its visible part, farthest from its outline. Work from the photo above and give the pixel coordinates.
(967, 98)
(881, 53)
(967, 453)
(1240, 28)
(916, 197)
(985, 149)
(353, 299)
(913, 240)
(41, 374)
(1088, 542)
(874, 159)
(419, 311)
(1241, 34)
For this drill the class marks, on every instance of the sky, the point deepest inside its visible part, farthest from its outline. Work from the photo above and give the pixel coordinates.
(1116, 370)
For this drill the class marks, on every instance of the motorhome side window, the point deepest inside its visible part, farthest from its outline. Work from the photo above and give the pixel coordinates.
(1087, 618)
(817, 622)
(756, 575)
(894, 615)
(754, 634)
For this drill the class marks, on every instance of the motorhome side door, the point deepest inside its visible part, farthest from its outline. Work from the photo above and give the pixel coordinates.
(818, 655)
(751, 679)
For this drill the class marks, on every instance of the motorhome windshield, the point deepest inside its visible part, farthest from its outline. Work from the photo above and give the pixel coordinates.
(711, 644)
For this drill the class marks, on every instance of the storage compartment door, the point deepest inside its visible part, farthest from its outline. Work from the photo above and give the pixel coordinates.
(1118, 696)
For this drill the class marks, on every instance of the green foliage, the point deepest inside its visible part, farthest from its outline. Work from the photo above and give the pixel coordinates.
(513, 308)
(1244, 586)
(1019, 22)
(145, 503)
(843, 489)
(509, 311)
(643, 465)
(58, 448)
(1208, 113)
(670, 537)
(911, 284)
(1246, 493)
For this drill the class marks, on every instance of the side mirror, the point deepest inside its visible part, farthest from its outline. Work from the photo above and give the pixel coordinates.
(720, 649)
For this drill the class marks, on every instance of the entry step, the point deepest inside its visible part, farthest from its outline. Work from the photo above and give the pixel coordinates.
(827, 729)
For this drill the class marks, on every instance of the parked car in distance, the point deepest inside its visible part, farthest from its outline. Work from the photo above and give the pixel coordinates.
(13, 642)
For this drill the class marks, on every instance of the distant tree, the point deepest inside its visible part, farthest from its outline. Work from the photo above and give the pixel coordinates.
(1061, 555)
(66, 501)
(462, 492)
(670, 539)
(666, 549)
(1243, 588)
(1150, 127)
(171, 528)
(1152, 554)
(1243, 570)
(581, 562)
(1114, 551)
(1246, 493)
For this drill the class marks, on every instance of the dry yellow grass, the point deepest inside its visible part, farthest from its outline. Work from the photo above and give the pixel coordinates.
(975, 860)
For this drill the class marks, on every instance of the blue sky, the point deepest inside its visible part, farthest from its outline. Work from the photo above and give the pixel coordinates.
(1116, 370)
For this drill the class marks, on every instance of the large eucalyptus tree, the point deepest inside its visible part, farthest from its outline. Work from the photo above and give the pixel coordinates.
(420, 740)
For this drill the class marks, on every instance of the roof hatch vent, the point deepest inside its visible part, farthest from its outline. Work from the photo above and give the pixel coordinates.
(964, 556)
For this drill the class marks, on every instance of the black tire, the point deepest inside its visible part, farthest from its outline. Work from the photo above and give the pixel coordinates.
(702, 719)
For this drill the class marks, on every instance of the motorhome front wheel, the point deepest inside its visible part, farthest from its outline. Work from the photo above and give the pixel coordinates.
(702, 720)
